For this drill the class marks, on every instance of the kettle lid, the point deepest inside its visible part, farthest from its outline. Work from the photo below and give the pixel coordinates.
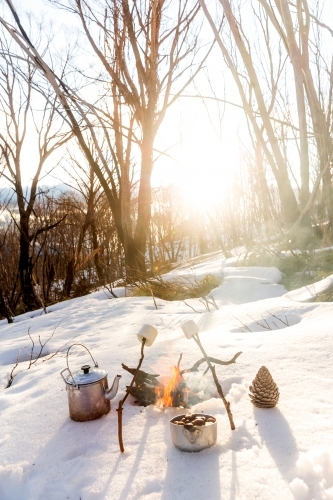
(87, 375)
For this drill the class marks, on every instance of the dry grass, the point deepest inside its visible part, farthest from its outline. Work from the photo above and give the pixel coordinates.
(177, 289)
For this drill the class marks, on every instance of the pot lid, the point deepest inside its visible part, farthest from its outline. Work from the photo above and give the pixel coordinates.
(86, 375)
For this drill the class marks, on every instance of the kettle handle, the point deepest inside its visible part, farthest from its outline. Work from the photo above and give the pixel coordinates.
(61, 373)
(70, 347)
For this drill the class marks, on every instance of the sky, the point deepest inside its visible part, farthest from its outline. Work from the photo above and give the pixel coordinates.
(202, 153)
(204, 157)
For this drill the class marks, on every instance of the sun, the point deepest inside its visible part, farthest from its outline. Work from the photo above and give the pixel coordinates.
(201, 161)
(206, 176)
(203, 169)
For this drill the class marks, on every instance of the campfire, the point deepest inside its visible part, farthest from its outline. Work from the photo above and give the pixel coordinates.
(178, 391)
(149, 390)
(175, 393)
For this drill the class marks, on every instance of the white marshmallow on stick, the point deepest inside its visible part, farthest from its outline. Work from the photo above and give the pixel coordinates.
(190, 328)
(149, 333)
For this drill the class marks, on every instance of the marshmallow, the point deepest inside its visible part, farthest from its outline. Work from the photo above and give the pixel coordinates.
(149, 333)
(190, 329)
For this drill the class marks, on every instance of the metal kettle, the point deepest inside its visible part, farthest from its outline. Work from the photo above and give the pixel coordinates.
(87, 390)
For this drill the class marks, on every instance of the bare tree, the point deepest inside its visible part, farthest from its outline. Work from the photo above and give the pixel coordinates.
(293, 23)
(147, 53)
(289, 111)
(168, 216)
(90, 193)
(17, 114)
(250, 90)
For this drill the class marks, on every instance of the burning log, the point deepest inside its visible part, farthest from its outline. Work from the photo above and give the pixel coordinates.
(145, 387)
(148, 390)
(144, 396)
(143, 377)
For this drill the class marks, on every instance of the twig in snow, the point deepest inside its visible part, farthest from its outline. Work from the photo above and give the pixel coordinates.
(244, 325)
(12, 376)
(260, 324)
(204, 300)
(265, 323)
(279, 319)
(152, 294)
(110, 290)
(39, 355)
(60, 348)
(188, 305)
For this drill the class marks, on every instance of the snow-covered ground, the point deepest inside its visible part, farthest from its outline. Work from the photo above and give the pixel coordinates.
(281, 453)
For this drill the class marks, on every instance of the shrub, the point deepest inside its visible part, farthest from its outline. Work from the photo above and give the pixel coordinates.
(177, 289)
(300, 269)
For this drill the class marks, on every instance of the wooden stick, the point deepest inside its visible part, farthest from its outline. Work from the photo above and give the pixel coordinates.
(212, 360)
(178, 365)
(218, 386)
(122, 401)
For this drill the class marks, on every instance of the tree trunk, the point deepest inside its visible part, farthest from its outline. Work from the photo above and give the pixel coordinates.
(5, 309)
(97, 261)
(151, 252)
(134, 259)
(144, 197)
(29, 297)
(69, 278)
(287, 196)
(296, 59)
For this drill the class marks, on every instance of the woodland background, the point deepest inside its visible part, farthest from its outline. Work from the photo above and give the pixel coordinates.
(92, 102)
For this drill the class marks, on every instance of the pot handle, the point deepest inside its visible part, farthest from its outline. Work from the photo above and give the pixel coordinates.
(95, 362)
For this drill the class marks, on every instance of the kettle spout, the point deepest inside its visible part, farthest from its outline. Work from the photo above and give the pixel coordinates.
(110, 393)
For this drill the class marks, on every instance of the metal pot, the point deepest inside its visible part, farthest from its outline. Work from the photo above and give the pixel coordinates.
(87, 391)
(197, 439)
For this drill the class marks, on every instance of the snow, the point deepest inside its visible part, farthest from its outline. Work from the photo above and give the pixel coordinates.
(280, 453)
(308, 292)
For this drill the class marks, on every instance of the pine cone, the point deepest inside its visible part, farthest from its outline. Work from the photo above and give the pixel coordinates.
(265, 392)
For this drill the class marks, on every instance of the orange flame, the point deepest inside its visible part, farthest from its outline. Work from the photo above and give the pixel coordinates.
(167, 399)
